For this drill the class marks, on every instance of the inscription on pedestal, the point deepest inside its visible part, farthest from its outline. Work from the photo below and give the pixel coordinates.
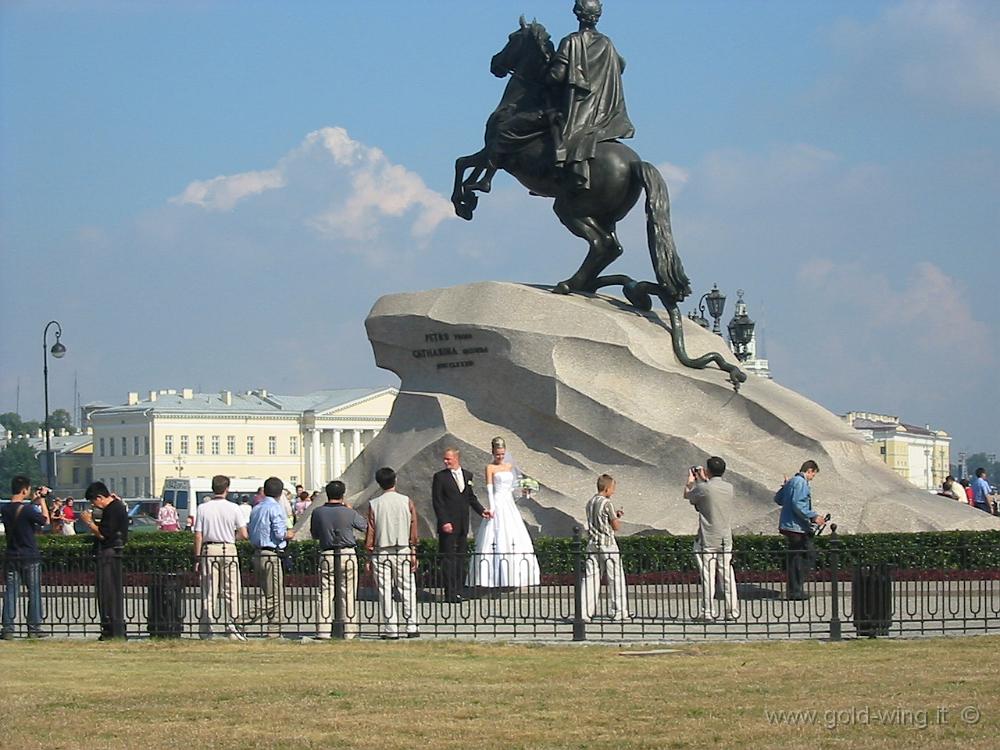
(450, 345)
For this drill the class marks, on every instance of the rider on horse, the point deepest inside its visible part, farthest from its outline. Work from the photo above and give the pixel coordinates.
(589, 69)
(580, 105)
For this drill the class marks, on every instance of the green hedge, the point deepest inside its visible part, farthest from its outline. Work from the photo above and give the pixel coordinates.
(936, 550)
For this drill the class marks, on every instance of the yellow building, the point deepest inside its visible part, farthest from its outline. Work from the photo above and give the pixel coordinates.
(304, 440)
(920, 455)
(73, 455)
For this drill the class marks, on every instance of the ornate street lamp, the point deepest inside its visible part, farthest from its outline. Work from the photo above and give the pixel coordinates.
(57, 351)
(741, 329)
(716, 301)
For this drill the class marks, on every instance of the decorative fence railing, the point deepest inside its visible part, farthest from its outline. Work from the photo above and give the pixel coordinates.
(860, 591)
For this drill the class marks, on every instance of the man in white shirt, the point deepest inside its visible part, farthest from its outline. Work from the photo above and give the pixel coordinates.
(217, 527)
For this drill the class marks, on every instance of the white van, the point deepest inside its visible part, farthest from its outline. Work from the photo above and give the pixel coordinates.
(187, 493)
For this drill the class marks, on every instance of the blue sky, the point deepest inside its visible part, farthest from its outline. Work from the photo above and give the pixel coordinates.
(213, 194)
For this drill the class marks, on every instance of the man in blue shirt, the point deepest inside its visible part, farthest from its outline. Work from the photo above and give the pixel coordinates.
(796, 524)
(21, 519)
(981, 491)
(269, 534)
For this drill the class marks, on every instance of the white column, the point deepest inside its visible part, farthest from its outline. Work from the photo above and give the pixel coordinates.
(314, 464)
(356, 444)
(338, 453)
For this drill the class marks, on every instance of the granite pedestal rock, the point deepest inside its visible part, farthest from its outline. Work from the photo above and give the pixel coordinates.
(584, 384)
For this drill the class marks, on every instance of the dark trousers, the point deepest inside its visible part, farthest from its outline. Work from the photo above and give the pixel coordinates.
(801, 556)
(110, 592)
(452, 548)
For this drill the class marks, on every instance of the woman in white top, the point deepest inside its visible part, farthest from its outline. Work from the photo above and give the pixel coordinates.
(504, 556)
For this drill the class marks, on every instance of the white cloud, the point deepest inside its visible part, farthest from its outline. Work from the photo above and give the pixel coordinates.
(675, 176)
(357, 187)
(223, 193)
(941, 52)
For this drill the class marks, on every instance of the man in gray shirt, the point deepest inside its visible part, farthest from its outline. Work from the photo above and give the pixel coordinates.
(333, 525)
(712, 497)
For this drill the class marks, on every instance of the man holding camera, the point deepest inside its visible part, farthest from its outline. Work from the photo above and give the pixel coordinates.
(21, 519)
(110, 535)
(796, 525)
(712, 497)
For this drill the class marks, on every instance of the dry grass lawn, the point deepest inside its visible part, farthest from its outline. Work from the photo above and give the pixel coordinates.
(189, 694)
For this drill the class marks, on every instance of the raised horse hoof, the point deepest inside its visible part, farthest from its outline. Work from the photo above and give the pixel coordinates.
(637, 297)
(561, 288)
(464, 212)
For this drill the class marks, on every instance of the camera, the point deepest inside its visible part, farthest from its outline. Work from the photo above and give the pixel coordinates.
(696, 470)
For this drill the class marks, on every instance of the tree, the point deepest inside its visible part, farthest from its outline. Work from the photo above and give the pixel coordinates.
(18, 458)
(60, 419)
(980, 460)
(16, 426)
(12, 421)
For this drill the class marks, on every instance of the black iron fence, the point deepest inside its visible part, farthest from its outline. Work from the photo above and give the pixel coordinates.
(560, 593)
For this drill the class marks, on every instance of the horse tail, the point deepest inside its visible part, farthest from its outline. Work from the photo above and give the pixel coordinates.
(666, 262)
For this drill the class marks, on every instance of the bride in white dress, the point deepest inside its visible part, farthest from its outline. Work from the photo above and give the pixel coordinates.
(504, 556)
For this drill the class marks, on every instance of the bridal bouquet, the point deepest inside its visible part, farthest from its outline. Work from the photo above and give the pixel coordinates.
(528, 485)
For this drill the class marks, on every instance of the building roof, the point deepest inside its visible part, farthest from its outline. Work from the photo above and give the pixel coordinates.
(249, 402)
(867, 424)
(61, 444)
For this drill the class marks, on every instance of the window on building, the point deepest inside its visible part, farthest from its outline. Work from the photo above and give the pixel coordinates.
(184, 444)
(145, 487)
(293, 445)
(199, 445)
(249, 445)
(124, 486)
(293, 480)
(168, 444)
(215, 445)
(111, 446)
(135, 446)
(112, 487)
(272, 445)
(145, 445)
(124, 446)
(90, 476)
(100, 447)
(231, 445)
(135, 487)
(76, 476)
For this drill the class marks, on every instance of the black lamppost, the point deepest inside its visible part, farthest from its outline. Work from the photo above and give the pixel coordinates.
(716, 301)
(741, 329)
(57, 351)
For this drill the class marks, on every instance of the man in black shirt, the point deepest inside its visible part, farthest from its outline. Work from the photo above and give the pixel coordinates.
(110, 536)
(21, 519)
(333, 526)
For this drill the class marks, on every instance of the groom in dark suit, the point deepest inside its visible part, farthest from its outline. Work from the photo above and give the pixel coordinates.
(452, 495)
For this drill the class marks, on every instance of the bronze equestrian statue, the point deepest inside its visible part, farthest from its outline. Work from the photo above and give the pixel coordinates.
(556, 131)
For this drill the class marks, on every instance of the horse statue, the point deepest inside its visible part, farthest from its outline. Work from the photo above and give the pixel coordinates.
(520, 139)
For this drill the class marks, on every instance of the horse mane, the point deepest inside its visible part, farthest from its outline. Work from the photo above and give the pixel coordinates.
(540, 35)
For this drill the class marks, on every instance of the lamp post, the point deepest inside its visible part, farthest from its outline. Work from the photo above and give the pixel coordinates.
(57, 351)
(716, 301)
(741, 329)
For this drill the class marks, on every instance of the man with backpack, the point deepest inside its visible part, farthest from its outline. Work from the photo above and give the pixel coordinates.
(796, 525)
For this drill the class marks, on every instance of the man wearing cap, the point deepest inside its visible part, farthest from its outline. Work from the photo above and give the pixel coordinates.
(217, 527)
